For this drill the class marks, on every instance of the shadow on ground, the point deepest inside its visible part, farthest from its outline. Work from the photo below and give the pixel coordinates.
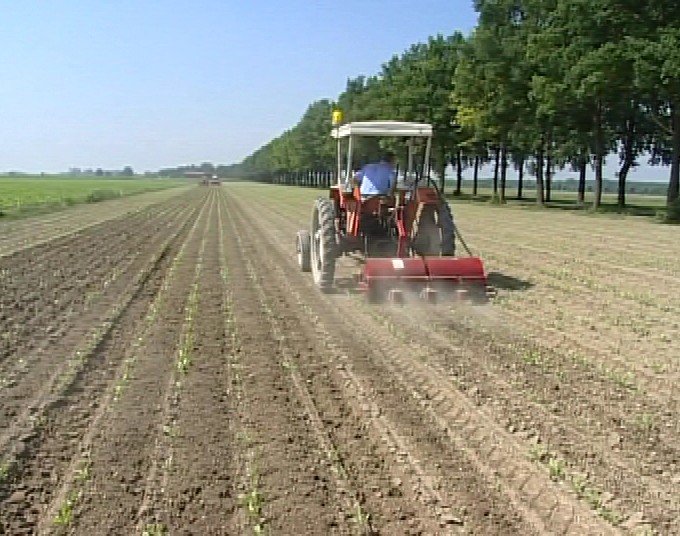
(507, 282)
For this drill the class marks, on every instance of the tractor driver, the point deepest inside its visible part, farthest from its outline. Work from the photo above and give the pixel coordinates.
(378, 178)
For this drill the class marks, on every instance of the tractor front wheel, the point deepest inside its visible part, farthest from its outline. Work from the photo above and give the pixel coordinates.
(323, 244)
(302, 248)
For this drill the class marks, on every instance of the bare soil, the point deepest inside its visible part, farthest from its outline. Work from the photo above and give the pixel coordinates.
(169, 370)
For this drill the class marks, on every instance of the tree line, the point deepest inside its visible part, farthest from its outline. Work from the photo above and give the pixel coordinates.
(539, 85)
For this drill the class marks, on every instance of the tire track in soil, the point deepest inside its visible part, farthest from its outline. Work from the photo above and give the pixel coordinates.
(591, 440)
(119, 474)
(66, 415)
(428, 497)
(580, 417)
(531, 493)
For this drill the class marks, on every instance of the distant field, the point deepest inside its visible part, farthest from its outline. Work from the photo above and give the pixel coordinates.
(636, 204)
(25, 196)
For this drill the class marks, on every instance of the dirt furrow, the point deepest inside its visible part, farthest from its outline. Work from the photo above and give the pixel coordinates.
(45, 444)
(152, 509)
(591, 424)
(637, 366)
(45, 287)
(515, 455)
(31, 232)
(292, 463)
(473, 500)
(36, 356)
(42, 373)
(201, 496)
(122, 446)
(582, 424)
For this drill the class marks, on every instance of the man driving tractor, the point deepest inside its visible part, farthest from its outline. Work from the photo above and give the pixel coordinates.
(377, 178)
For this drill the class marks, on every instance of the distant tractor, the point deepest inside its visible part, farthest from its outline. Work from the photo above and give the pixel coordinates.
(202, 176)
(405, 242)
(215, 181)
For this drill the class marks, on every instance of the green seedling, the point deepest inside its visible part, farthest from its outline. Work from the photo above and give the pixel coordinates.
(361, 518)
(533, 357)
(155, 529)
(645, 422)
(253, 502)
(4, 471)
(64, 516)
(83, 472)
(556, 468)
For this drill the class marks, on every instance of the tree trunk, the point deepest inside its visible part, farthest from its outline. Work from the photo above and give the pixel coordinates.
(674, 183)
(497, 158)
(459, 172)
(623, 174)
(582, 168)
(548, 173)
(599, 157)
(504, 170)
(520, 178)
(442, 170)
(475, 177)
(539, 175)
(628, 140)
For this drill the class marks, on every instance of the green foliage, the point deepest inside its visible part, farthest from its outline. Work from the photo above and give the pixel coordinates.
(27, 195)
(102, 195)
(572, 80)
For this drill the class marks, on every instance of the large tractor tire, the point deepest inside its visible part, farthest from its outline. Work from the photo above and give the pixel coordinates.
(434, 233)
(448, 233)
(323, 242)
(303, 250)
(426, 239)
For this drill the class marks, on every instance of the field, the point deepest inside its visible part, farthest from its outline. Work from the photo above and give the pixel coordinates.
(22, 196)
(166, 369)
(653, 206)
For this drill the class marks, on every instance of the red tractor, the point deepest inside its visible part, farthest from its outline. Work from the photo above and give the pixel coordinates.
(405, 242)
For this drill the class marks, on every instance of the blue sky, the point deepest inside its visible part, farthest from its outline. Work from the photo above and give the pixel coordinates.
(161, 83)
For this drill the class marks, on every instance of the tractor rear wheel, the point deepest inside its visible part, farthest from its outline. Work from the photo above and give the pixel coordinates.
(427, 240)
(434, 233)
(447, 229)
(302, 247)
(323, 242)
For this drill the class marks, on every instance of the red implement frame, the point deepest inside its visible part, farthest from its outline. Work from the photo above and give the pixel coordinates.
(404, 271)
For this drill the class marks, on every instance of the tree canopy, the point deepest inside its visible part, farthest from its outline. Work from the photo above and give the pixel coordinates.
(551, 82)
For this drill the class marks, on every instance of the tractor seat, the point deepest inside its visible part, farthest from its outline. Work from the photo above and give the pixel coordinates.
(375, 203)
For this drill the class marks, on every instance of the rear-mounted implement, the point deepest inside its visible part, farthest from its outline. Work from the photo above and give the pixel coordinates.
(406, 239)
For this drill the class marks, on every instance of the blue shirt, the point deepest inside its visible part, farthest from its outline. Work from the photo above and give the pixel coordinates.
(376, 179)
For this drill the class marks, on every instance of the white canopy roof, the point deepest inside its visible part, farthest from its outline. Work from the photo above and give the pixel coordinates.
(383, 128)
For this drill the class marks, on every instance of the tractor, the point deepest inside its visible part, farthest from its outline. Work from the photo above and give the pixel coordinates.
(404, 242)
